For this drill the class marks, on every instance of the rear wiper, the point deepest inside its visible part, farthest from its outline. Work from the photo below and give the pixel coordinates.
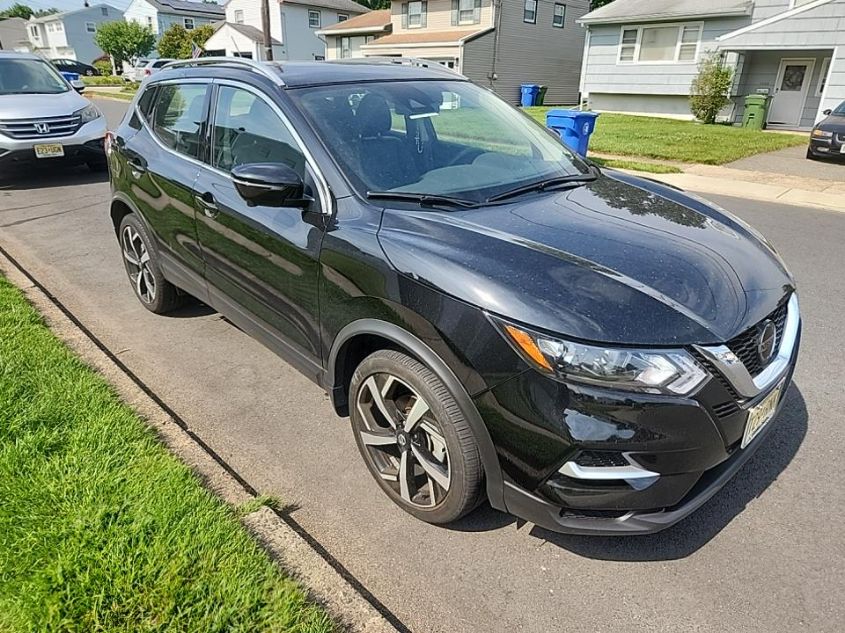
(543, 185)
(423, 199)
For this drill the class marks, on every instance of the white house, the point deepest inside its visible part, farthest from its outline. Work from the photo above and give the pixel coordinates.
(13, 35)
(160, 15)
(71, 34)
(295, 26)
(641, 56)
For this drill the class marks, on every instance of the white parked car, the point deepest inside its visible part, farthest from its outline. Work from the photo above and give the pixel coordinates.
(43, 118)
(150, 68)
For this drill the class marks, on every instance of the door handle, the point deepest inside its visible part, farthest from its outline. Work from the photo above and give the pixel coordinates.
(136, 163)
(207, 204)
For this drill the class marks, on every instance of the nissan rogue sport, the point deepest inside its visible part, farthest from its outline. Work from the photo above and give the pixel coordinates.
(500, 319)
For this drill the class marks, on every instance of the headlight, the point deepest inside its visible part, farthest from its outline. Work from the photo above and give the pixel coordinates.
(88, 113)
(649, 371)
(822, 134)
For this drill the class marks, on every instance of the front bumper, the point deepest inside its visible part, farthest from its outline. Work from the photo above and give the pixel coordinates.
(85, 145)
(667, 455)
(832, 147)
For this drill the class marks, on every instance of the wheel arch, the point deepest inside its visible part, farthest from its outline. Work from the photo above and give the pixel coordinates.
(369, 335)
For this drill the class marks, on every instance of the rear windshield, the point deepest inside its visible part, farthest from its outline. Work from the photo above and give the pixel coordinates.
(30, 76)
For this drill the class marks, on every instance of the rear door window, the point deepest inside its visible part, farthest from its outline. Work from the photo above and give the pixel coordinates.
(179, 117)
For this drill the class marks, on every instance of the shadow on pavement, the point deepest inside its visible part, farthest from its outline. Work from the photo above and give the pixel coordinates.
(44, 176)
(698, 529)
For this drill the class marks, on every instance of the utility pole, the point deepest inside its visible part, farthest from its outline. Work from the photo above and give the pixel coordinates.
(265, 25)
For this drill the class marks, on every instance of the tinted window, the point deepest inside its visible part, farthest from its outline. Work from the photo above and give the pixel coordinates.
(247, 130)
(178, 117)
(145, 106)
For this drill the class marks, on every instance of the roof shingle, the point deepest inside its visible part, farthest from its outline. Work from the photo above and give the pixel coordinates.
(626, 10)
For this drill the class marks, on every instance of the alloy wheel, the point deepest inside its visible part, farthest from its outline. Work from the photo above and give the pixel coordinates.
(404, 441)
(138, 264)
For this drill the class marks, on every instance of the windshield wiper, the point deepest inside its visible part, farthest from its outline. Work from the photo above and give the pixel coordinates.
(543, 185)
(423, 199)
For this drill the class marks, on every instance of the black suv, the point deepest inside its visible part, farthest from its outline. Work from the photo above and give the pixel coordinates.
(500, 319)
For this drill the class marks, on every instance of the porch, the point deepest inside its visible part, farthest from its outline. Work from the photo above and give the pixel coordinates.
(794, 79)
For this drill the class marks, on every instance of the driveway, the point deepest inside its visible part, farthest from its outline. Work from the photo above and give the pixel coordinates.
(765, 554)
(792, 161)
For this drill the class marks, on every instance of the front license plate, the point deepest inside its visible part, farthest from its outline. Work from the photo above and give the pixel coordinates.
(53, 150)
(760, 416)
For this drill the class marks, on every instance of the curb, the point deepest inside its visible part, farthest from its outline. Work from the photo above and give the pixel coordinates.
(293, 549)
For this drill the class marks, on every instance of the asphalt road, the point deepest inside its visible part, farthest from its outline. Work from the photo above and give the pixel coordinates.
(765, 554)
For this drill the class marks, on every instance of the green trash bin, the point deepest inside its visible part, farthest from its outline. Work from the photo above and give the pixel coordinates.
(541, 96)
(756, 107)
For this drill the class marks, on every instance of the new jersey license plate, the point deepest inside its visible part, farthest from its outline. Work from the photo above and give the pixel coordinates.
(51, 150)
(760, 415)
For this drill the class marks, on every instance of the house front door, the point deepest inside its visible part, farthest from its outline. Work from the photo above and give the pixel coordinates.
(791, 87)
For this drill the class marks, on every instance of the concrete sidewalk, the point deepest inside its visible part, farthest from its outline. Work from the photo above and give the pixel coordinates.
(757, 185)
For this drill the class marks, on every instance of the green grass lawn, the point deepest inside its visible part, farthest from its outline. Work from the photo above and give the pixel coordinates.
(684, 141)
(101, 528)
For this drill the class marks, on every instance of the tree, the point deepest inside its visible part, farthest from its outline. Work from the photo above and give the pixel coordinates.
(124, 41)
(710, 90)
(595, 4)
(178, 43)
(375, 4)
(17, 11)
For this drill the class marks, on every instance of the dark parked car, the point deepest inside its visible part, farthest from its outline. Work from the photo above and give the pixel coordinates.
(500, 319)
(828, 136)
(73, 66)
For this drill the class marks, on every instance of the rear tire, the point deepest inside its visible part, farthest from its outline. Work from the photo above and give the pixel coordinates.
(140, 259)
(414, 438)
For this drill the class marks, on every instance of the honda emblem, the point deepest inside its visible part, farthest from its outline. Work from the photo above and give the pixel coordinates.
(42, 128)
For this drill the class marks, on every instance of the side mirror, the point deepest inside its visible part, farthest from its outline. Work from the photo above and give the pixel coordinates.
(827, 112)
(270, 184)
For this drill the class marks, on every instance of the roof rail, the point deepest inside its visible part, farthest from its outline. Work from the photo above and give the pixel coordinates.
(258, 67)
(417, 62)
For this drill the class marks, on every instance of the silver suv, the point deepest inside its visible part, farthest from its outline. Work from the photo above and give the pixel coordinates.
(43, 118)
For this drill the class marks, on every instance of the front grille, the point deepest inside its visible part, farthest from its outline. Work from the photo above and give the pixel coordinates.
(601, 459)
(55, 127)
(745, 345)
(840, 138)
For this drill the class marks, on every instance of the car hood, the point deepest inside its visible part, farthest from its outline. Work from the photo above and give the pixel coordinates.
(620, 260)
(36, 106)
(833, 123)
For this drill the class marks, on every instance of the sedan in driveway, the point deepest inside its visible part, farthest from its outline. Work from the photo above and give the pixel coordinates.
(828, 137)
(74, 66)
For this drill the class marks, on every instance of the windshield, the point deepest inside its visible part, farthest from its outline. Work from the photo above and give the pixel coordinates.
(30, 76)
(444, 138)
(840, 110)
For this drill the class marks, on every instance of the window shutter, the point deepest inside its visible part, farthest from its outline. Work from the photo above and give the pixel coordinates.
(404, 15)
(339, 52)
(476, 12)
(424, 16)
(455, 12)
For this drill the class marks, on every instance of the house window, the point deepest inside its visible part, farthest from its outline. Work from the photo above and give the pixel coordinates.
(314, 19)
(415, 15)
(149, 21)
(342, 17)
(90, 27)
(823, 76)
(466, 12)
(677, 43)
(529, 11)
(239, 16)
(189, 24)
(59, 28)
(104, 11)
(344, 46)
(559, 17)
(50, 27)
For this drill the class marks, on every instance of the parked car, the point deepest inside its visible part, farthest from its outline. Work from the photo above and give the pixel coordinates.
(591, 351)
(73, 66)
(43, 119)
(827, 140)
(150, 68)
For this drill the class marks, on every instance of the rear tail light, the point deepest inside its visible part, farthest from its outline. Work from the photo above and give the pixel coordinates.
(107, 143)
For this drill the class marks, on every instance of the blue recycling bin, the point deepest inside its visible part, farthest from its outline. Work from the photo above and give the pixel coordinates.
(529, 94)
(70, 76)
(574, 127)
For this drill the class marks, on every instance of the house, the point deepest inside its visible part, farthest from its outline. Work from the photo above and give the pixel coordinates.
(295, 27)
(345, 39)
(641, 56)
(496, 43)
(160, 15)
(71, 34)
(13, 35)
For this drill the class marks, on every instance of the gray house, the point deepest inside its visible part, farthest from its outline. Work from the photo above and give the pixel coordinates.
(160, 15)
(496, 43)
(71, 34)
(640, 56)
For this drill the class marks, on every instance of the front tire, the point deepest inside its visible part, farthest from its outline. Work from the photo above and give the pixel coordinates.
(154, 292)
(414, 438)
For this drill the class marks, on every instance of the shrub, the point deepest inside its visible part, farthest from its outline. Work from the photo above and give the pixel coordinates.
(104, 80)
(710, 89)
(104, 67)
